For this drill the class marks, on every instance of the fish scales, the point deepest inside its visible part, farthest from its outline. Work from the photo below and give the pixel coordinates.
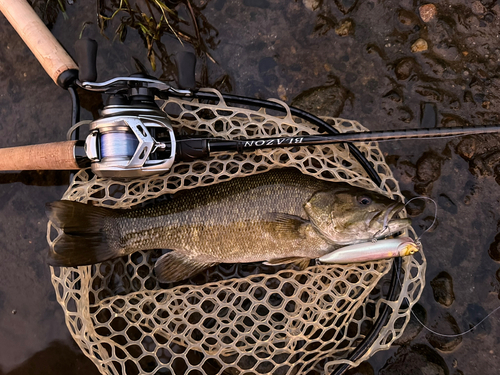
(228, 221)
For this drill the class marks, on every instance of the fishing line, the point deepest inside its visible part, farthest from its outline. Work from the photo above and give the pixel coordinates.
(417, 241)
(447, 334)
(76, 126)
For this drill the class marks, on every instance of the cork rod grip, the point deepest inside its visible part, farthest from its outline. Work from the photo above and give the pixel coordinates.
(47, 156)
(38, 38)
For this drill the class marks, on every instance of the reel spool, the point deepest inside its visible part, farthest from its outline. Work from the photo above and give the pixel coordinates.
(132, 139)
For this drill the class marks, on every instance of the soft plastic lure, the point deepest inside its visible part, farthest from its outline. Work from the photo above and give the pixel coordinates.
(370, 251)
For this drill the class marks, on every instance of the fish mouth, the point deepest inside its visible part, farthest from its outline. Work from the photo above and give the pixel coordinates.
(391, 223)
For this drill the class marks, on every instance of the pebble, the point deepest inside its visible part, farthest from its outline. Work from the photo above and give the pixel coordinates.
(428, 223)
(442, 288)
(407, 171)
(445, 324)
(428, 167)
(494, 250)
(478, 8)
(417, 359)
(420, 45)
(323, 100)
(311, 4)
(345, 28)
(345, 6)
(406, 17)
(424, 189)
(467, 148)
(413, 327)
(404, 69)
(427, 12)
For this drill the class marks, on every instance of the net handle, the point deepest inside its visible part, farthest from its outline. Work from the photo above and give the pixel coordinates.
(54, 59)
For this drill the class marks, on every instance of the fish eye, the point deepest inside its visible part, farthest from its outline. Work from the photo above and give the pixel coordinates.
(364, 200)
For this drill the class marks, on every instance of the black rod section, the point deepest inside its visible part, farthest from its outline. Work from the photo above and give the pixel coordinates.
(196, 148)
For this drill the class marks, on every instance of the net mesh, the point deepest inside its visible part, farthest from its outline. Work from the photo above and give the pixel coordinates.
(234, 318)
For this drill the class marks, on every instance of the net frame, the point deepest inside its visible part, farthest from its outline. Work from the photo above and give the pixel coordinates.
(234, 319)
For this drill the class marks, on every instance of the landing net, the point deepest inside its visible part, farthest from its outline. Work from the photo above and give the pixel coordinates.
(233, 319)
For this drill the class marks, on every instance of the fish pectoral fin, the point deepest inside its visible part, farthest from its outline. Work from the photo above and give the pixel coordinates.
(285, 222)
(301, 263)
(175, 266)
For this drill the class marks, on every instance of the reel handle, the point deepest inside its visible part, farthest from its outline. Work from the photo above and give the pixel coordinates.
(186, 64)
(86, 53)
(54, 59)
(47, 156)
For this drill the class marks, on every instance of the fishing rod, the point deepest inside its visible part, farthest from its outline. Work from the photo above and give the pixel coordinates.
(134, 138)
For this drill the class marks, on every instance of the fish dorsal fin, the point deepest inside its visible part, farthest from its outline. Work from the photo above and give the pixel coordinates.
(285, 222)
(301, 263)
(175, 266)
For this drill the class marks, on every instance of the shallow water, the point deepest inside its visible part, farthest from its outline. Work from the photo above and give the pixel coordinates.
(293, 51)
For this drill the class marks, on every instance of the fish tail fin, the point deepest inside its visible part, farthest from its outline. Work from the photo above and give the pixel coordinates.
(89, 235)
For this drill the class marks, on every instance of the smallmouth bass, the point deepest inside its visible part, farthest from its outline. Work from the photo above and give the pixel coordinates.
(281, 216)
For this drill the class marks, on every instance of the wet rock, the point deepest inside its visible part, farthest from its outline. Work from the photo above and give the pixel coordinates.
(406, 17)
(394, 95)
(494, 250)
(497, 274)
(345, 28)
(404, 68)
(428, 171)
(418, 359)
(428, 224)
(345, 6)
(485, 165)
(406, 171)
(478, 8)
(447, 204)
(467, 148)
(450, 120)
(424, 189)
(311, 4)
(442, 288)
(427, 12)
(414, 326)
(445, 324)
(363, 369)
(419, 45)
(428, 167)
(323, 100)
(472, 316)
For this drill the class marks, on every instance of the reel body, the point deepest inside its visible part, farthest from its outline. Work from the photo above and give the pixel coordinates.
(133, 138)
